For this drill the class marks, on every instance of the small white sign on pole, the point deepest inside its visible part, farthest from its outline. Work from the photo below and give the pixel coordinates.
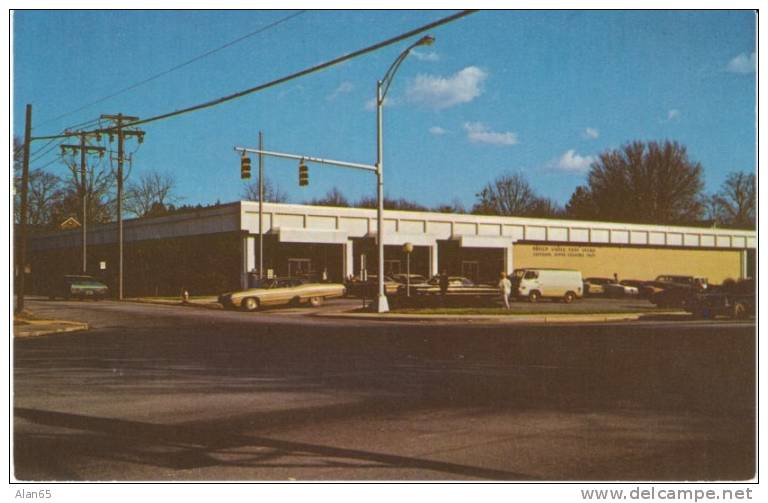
(103, 265)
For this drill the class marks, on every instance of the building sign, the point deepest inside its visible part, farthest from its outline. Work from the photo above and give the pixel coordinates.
(565, 251)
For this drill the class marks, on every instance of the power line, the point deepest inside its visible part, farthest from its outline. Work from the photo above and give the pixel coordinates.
(179, 66)
(80, 125)
(285, 79)
(43, 154)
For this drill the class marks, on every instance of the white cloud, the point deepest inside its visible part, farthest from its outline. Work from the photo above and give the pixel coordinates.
(344, 88)
(743, 63)
(673, 115)
(425, 56)
(443, 92)
(437, 130)
(591, 133)
(573, 162)
(477, 132)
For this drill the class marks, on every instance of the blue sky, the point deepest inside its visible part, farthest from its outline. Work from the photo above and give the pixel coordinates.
(540, 93)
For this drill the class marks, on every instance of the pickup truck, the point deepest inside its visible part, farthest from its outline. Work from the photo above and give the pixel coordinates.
(674, 291)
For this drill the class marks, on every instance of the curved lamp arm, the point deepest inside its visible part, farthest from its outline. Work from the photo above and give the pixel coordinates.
(386, 81)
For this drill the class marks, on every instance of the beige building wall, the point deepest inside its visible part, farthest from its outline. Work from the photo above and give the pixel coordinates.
(631, 262)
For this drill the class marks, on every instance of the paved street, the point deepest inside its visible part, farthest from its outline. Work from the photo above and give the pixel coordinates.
(154, 392)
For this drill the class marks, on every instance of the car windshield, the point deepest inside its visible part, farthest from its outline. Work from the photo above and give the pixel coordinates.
(531, 275)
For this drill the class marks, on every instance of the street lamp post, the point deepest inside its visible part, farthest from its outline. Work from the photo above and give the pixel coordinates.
(382, 86)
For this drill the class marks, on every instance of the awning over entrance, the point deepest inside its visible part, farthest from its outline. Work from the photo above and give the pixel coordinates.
(400, 238)
(483, 241)
(320, 236)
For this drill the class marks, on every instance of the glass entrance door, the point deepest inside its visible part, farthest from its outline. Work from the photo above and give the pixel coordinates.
(471, 269)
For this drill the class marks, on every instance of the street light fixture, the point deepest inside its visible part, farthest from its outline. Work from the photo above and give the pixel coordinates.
(382, 86)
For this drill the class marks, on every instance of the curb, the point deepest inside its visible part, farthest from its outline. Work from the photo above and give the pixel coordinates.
(500, 319)
(206, 305)
(543, 319)
(48, 327)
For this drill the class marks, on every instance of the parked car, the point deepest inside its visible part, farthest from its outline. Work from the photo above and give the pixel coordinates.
(620, 289)
(271, 292)
(561, 284)
(596, 286)
(413, 281)
(643, 289)
(457, 286)
(736, 300)
(369, 287)
(679, 285)
(83, 287)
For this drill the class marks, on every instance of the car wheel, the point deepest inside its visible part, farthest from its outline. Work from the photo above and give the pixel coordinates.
(739, 311)
(316, 301)
(533, 297)
(568, 297)
(250, 304)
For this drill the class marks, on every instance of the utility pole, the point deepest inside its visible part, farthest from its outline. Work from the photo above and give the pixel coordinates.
(84, 149)
(21, 264)
(119, 121)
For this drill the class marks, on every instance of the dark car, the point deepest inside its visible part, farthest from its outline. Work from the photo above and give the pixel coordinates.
(369, 288)
(83, 287)
(595, 286)
(736, 300)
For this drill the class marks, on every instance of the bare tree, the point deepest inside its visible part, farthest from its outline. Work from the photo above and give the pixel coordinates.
(333, 197)
(506, 195)
(736, 200)
(544, 207)
(401, 204)
(649, 183)
(45, 193)
(455, 206)
(151, 194)
(98, 188)
(272, 192)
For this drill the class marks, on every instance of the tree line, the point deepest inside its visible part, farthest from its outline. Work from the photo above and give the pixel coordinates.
(652, 183)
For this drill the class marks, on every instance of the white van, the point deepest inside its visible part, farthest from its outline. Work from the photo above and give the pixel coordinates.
(533, 284)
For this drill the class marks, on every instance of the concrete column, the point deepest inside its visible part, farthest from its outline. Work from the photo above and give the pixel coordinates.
(744, 266)
(249, 259)
(509, 264)
(434, 267)
(348, 267)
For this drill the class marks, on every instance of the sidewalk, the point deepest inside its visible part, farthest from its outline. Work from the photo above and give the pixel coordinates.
(24, 327)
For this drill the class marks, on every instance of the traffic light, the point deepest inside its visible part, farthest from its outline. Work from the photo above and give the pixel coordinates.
(303, 174)
(245, 167)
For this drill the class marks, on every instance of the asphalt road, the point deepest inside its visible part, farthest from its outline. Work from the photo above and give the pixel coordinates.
(177, 393)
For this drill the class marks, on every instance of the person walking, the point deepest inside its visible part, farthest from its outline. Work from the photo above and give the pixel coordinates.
(505, 289)
(443, 282)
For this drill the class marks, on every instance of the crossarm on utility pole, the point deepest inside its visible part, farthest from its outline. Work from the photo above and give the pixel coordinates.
(308, 158)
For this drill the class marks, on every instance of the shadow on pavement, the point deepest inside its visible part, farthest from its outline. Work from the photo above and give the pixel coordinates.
(197, 446)
(400, 369)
